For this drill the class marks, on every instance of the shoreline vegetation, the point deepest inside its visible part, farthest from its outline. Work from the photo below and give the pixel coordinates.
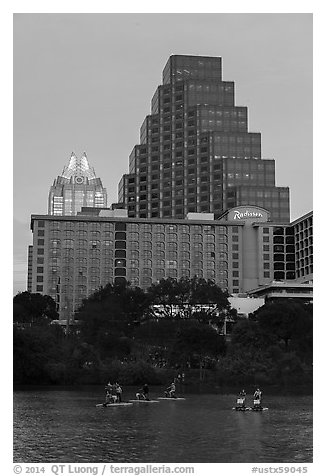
(119, 339)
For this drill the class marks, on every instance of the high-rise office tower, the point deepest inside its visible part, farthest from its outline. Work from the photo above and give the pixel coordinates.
(195, 152)
(75, 188)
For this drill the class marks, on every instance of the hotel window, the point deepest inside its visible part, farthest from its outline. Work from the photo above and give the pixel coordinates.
(210, 264)
(171, 273)
(146, 281)
(198, 272)
(39, 287)
(120, 253)
(147, 235)
(147, 272)
(81, 243)
(120, 226)
(210, 238)
(159, 236)
(134, 254)
(172, 236)
(185, 264)
(210, 247)
(171, 263)
(107, 226)
(185, 236)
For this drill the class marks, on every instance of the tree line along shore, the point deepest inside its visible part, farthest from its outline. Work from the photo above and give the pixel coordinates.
(173, 330)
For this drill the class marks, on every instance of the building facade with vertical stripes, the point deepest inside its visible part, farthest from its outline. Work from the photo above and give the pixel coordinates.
(76, 255)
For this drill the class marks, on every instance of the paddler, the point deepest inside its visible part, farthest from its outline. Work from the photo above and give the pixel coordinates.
(118, 390)
(241, 399)
(146, 391)
(108, 393)
(258, 397)
(170, 391)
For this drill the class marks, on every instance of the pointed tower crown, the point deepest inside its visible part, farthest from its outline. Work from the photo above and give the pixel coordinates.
(78, 168)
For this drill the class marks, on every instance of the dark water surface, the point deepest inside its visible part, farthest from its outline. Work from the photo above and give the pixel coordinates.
(65, 426)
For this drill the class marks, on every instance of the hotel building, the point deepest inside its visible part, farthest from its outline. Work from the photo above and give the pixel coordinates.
(242, 250)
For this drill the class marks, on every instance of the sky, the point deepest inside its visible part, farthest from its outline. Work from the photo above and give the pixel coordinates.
(84, 82)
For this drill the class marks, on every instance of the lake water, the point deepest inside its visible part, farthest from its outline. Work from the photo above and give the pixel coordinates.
(56, 425)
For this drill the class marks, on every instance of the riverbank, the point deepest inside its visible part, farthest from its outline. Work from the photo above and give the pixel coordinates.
(191, 385)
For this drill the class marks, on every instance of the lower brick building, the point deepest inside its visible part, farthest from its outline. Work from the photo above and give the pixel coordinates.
(73, 256)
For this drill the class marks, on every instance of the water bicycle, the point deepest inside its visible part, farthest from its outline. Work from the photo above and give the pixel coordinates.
(114, 404)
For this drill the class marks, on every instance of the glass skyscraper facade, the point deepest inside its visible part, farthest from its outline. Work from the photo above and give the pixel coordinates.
(75, 188)
(195, 152)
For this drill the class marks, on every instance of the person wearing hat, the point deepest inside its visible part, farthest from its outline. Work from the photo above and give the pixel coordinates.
(118, 390)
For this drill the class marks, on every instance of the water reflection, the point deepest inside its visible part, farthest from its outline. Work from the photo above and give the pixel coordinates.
(61, 426)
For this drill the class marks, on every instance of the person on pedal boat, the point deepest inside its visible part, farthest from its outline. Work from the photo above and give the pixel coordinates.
(146, 391)
(257, 397)
(170, 391)
(118, 391)
(241, 398)
(108, 393)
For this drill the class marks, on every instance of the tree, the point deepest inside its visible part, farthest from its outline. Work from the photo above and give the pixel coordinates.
(35, 350)
(197, 341)
(289, 321)
(34, 308)
(108, 315)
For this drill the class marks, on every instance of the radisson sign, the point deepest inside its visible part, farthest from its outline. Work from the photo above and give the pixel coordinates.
(247, 213)
(241, 215)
